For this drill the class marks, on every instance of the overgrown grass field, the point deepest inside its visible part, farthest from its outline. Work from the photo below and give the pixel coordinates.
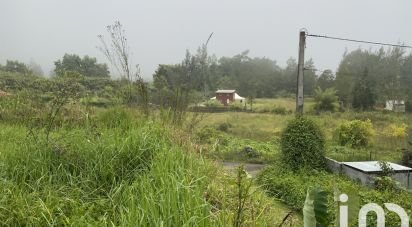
(118, 167)
(267, 127)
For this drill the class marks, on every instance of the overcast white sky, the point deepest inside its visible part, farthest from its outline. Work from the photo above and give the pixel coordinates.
(159, 32)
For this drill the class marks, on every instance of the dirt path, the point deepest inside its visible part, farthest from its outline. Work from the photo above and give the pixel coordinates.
(252, 169)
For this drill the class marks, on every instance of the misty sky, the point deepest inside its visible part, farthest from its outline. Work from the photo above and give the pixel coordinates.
(159, 32)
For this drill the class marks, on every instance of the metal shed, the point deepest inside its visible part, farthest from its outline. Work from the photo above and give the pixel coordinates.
(366, 171)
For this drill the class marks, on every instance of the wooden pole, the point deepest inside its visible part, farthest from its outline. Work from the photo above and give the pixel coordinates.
(301, 63)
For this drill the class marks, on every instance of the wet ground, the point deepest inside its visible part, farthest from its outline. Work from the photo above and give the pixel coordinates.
(252, 169)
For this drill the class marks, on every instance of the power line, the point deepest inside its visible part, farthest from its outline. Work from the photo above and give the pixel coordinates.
(359, 41)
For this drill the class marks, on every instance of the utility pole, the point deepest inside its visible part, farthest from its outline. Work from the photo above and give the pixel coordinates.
(301, 63)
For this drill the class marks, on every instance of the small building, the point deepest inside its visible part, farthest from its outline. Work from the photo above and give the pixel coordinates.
(228, 96)
(366, 171)
(397, 106)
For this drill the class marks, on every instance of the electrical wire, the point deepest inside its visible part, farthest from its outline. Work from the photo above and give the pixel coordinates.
(358, 41)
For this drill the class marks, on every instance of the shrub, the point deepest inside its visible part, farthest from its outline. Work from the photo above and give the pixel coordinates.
(384, 182)
(213, 103)
(356, 133)
(224, 127)
(396, 131)
(250, 152)
(326, 100)
(303, 144)
(279, 110)
(236, 106)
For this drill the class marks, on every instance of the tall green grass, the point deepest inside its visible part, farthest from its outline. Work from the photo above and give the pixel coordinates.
(117, 168)
(118, 172)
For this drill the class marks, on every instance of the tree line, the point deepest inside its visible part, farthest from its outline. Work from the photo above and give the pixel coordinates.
(363, 80)
(366, 78)
(251, 77)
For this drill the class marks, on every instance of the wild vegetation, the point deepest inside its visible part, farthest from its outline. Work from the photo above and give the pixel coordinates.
(117, 167)
(82, 148)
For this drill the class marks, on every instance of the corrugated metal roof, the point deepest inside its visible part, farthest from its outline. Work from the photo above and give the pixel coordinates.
(225, 91)
(374, 167)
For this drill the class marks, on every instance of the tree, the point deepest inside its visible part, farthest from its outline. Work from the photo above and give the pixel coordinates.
(351, 67)
(261, 77)
(389, 80)
(326, 80)
(363, 96)
(406, 81)
(16, 67)
(288, 82)
(193, 73)
(118, 53)
(87, 66)
(251, 100)
(91, 68)
(326, 100)
(406, 77)
(309, 82)
(389, 74)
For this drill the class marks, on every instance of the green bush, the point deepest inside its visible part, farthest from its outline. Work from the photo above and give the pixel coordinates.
(224, 127)
(303, 144)
(384, 182)
(213, 103)
(236, 106)
(356, 133)
(279, 110)
(326, 100)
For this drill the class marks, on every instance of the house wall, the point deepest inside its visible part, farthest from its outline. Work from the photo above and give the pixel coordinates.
(334, 166)
(224, 97)
(399, 108)
(356, 175)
